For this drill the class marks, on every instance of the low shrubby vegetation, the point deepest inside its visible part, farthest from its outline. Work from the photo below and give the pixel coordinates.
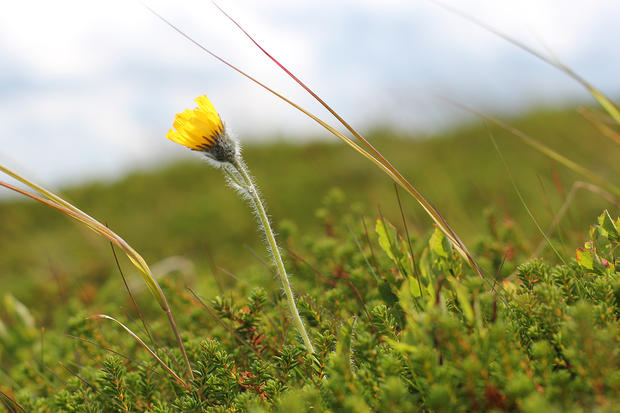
(399, 324)
(399, 321)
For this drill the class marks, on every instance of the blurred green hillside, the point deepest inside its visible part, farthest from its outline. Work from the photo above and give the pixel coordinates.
(184, 209)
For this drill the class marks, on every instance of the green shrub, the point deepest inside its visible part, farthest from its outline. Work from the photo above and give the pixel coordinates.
(393, 332)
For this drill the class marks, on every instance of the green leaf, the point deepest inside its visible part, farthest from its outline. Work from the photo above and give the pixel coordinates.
(392, 301)
(414, 287)
(405, 298)
(439, 244)
(4, 334)
(426, 271)
(462, 296)
(609, 227)
(387, 236)
(394, 246)
(585, 258)
(403, 347)
(409, 293)
(386, 293)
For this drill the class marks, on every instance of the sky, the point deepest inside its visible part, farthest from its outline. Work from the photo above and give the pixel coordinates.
(89, 89)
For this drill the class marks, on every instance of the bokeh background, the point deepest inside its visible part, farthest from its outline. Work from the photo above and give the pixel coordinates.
(88, 89)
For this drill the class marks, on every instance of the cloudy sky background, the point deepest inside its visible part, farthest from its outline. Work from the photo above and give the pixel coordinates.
(88, 89)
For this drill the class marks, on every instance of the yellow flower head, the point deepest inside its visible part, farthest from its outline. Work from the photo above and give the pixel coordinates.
(197, 129)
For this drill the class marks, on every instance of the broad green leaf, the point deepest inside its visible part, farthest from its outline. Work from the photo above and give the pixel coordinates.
(402, 347)
(4, 335)
(394, 246)
(387, 238)
(18, 311)
(426, 271)
(414, 287)
(408, 295)
(609, 226)
(386, 293)
(463, 298)
(439, 244)
(392, 301)
(585, 258)
(406, 298)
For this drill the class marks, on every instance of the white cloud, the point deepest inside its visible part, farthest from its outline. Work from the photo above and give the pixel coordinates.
(91, 87)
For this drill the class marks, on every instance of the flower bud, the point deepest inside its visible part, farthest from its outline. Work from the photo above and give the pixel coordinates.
(202, 129)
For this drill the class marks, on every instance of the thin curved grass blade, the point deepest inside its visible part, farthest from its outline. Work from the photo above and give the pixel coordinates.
(544, 149)
(522, 200)
(144, 345)
(596, 94)
(577, 185)
(372, 154)
(10, 404)
(600, 125)
(58, 203)
(61, 205)
(116, 353)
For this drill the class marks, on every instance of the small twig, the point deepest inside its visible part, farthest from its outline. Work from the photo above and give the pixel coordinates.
(221, 322)
(413, 261)
(80, 378)
(602, 128)
(95, 389)
(133, 300)
(540, 147)
(260, 259)
(143, 344)
(94, 343)
(214, 269)
(522, 199)
(315, 270)
(567, 202)
(233, 276)
(553, 61)
(9, 403)
(359, 247)
(372, 251)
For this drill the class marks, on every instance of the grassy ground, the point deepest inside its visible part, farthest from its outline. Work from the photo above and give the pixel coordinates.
(184, 209)
(399, 326)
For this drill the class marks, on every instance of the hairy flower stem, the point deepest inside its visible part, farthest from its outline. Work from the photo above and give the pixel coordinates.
(248, 185)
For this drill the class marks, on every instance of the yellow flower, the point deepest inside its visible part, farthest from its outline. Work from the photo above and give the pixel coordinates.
(198, 129)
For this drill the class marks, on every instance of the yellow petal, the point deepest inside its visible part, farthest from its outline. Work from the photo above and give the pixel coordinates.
(198, 128)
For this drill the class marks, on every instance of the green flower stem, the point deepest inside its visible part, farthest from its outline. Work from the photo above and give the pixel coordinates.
(260, 209)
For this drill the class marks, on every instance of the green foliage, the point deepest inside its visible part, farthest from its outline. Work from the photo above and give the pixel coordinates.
(399, 325)
(399, 322)
(191, 214)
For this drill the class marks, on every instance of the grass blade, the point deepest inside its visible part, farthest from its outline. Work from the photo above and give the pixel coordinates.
(568, 201)
(143, 344)
(10, 404)
(527, 209)
(544, 149)
(598, 124)
(596, 94)
(372, 153)
(58, 203)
